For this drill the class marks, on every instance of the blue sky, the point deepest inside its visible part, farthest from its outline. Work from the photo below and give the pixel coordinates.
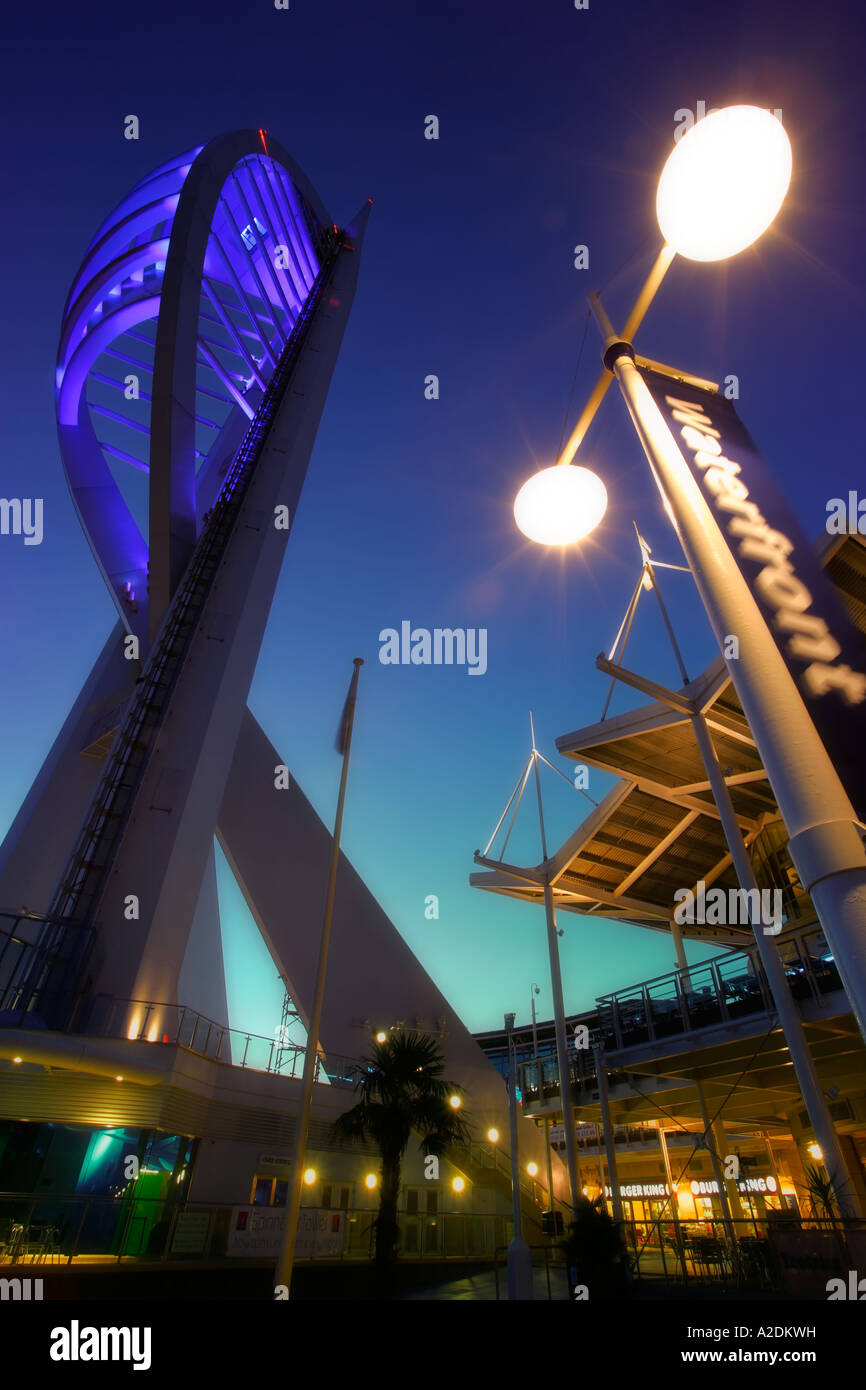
(554, 124)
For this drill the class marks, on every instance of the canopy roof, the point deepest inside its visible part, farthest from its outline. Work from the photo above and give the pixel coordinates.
(659, 825)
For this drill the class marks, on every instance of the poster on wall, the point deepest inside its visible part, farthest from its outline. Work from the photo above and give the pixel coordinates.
(257, 1233)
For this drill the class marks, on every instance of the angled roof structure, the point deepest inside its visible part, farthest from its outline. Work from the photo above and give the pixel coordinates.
(659, 825)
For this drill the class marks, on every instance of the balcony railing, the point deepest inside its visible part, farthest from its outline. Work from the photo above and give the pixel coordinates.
(716, 992)
(706, 995)
(175, 1025)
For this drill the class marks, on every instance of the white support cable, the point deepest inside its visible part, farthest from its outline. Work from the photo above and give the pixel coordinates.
(561, 774)
(519, 799)
(505, 812)
(626, 617)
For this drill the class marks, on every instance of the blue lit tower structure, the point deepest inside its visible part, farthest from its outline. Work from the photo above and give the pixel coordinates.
(196, 352)
(196, 349)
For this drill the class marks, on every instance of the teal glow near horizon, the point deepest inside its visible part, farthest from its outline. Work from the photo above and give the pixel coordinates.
(254, 991)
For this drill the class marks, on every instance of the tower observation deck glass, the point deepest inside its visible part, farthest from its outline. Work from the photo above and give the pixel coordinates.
(172, 329)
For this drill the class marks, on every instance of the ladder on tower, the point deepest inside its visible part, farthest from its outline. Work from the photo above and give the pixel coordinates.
(83, 880)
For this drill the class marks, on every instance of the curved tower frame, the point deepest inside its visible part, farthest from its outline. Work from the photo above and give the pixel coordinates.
(172, 329)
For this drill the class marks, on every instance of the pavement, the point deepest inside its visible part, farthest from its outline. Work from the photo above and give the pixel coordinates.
(481, 1287)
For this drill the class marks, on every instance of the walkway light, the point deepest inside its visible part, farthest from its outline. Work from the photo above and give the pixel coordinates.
(493, 1136)
(371, 1181)
(560, 505)
(532, 1169)
(724, 183)
(458, 1184)
(309, 1176)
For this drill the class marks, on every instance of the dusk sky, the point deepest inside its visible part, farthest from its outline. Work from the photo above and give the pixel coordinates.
(554, 126)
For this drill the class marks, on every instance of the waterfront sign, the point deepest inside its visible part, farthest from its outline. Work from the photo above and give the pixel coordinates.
(820, 645)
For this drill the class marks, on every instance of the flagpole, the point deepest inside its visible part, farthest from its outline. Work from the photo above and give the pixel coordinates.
(286, 1260)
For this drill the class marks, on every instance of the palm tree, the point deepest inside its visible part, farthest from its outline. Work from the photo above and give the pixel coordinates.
(594, 1252)
(401, 1090)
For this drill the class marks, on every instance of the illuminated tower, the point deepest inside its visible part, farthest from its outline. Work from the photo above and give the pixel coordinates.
(196, 350)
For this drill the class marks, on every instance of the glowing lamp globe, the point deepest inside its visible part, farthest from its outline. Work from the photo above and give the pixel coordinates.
(560, 505)
(723, 183)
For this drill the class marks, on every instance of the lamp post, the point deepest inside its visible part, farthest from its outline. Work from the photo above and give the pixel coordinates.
(519, 1254)
(534, 990)
(562, 1060)
(824, 833)
(720, 189)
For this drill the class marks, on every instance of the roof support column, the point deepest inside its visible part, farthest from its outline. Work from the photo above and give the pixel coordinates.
(675, 1206)
(786, 1008)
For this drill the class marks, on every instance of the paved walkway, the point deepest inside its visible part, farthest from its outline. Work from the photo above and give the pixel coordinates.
(482, 1287)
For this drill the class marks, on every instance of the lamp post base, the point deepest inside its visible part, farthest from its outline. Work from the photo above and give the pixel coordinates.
(519, 1269)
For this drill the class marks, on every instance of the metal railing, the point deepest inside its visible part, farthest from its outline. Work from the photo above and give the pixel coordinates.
(718, 991)
(20, 935)
(67, 1229)
(64, 1229)
(687, 1000)
(175, 1025)
(736, 1253)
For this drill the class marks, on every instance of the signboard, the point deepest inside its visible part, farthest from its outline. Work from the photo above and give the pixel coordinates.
(630, 1190)
(190, 1233)
(822, 649)
(257, 1233)
(708, 1187)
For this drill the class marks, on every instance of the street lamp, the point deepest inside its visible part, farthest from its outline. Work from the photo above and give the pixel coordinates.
(535, 990)
(559, 506)
(724, 183)
(720, 189)
(519, 1256)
